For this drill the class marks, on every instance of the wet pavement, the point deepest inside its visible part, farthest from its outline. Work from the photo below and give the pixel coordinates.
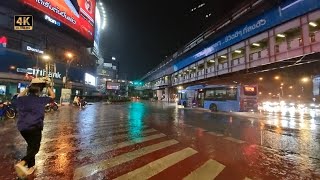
(153, 140)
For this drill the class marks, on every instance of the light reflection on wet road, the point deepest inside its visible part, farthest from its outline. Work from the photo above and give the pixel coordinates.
(109, 141)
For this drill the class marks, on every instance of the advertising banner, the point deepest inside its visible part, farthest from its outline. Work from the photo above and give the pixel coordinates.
(65, 96)
(96, 43)
(89, 79)
(107, 65)
(113, 85)
(3, 41)
(77, 14)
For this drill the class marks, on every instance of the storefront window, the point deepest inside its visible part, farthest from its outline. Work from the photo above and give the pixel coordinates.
(2, 90)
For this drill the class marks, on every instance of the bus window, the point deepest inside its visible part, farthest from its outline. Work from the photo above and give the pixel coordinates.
(221, 94)
(232, 93)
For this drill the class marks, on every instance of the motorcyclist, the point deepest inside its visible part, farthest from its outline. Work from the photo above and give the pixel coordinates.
(14, 100)
(2, 110)
(76, 100)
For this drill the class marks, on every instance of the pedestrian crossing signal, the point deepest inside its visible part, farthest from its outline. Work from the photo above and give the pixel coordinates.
(23, 22)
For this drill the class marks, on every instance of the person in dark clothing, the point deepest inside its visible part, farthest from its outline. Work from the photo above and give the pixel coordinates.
(30, 124)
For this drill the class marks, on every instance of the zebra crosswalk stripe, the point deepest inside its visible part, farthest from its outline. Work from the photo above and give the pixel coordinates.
(159, 165)
(209, 170)
(91, 169)
(104, 149)
(100, 141)
(103, 140)
(95, 133)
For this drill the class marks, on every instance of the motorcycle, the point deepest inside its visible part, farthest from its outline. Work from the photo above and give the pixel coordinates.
(82, 104)
(51, 106)
(8, 110)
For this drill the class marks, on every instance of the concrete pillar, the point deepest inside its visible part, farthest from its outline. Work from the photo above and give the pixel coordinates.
(229, 60)
(215, 65)
(247, 54)
(205, 68)
(271, 45)
(197, 70)
(167, 95)
(159, 94)
(305, 34)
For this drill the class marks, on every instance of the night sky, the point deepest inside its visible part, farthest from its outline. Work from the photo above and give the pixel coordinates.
(141, 33)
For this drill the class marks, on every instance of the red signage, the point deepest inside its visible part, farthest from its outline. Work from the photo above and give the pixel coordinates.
(77, 14)
(3, 41)
(249, 89)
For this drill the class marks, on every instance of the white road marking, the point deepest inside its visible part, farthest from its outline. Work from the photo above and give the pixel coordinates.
(121, 136)
(90, 152)
(91, 169)
(97, 132)
(215, 134)
(234, 140)
(207, 171)
(98, 141)
(159, 165)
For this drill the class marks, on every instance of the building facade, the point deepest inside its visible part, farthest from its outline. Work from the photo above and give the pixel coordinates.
(22, 53)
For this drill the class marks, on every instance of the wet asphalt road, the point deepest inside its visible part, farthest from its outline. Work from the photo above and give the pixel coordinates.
(153, 140)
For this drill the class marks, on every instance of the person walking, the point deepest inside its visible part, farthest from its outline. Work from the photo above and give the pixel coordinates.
(31, 109)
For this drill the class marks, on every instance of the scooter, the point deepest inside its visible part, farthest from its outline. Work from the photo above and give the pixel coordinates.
(51, 106)
(7, 110)
(82, 103)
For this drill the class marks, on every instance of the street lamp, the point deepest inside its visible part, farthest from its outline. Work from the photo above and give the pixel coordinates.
(305, 79)
(46, 59)
(12, 67)
(70, 58)
(260, 78)
(69, 55)
(277, 77)
(117, 66)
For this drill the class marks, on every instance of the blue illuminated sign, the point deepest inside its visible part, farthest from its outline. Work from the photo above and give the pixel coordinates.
(53, 21)
(278, 15)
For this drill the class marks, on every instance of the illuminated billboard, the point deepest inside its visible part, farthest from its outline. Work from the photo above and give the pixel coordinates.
(79, 15)
(89, 79)
(96, 42)
(113, 86)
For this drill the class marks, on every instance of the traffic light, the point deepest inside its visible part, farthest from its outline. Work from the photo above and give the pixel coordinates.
(137, 83)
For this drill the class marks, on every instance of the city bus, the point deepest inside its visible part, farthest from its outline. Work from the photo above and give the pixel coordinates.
(231, 98)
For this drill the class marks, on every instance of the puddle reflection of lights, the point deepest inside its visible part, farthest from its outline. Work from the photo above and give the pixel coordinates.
(292, 124)
(278, 130)
(269, 121)
(313, 113)
(251, 120)
(292, 111)
(302, 125)
(135, 116)
(284, 123)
